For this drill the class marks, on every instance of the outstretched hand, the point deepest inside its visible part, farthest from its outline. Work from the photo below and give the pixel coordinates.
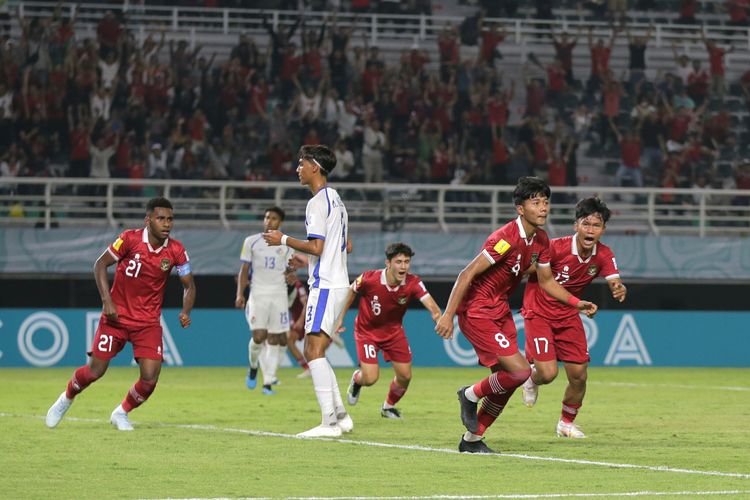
(588, 308)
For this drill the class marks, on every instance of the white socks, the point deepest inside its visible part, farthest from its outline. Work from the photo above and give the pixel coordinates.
(338, 403)
(253, 350)
(471, 438)
(469, 392)
(270, 358)
(323, 380)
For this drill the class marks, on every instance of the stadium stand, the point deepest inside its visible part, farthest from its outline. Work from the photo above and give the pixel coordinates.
(458, 95)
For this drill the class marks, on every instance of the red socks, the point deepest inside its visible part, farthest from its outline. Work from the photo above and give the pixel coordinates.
(492, 407)
(138, 394)
(501, 382)
(395, 393)
(569, 412)
(82, 378)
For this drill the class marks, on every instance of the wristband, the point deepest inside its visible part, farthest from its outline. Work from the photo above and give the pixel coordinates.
(573, 300)
(283, 239)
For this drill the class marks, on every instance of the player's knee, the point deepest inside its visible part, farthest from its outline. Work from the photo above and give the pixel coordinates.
(518, 377)
(546, 376)
(578, 379)
(148, 387)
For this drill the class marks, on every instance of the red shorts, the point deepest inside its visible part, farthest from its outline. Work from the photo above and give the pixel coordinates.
(395, 348)
(299, 332)
(565, 340)
(492, 338)
(111, 337)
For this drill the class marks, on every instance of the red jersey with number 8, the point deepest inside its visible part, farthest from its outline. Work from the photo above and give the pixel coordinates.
(141, 275)
(510, 253)
(382, 307)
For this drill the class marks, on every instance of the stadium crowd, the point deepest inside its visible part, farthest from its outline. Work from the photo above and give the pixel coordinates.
(113, 107)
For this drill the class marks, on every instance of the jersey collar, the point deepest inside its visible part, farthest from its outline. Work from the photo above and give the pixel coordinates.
(150, 248)
(522, 232)
(384, 281)
(574, 249)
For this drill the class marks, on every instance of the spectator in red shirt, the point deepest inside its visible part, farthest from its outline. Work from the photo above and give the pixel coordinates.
(556, 86)
(630, 151)
(108, 33)
(599, 61)
(688, 9)
(697, 83)
(491, 37)
(448, 49)
(564, 51)
(716, 57)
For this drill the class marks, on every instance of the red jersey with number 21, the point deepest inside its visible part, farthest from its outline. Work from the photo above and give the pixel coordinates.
(510, 252)
(141, 275)
(382, 307)
(571, 272)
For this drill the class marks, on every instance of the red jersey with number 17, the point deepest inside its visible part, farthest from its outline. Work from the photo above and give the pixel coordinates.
(570, 271)
(510, 252)
(141, 275)
(382, 307)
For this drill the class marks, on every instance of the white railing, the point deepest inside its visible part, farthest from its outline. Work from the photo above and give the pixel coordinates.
(67, 202)
(195, 23)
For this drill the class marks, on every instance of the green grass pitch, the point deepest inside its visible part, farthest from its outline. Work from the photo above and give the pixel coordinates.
(666, 433)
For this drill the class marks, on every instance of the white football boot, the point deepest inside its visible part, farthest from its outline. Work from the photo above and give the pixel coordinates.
(530, 392)
(569, 430)
(119, 419)
(346, 424)
(329, 431)
(57, 411)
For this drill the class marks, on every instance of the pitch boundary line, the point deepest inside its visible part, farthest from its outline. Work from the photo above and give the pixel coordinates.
(673, 386)
(429, 449)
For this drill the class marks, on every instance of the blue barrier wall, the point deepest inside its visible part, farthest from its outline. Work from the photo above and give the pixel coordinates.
(60, 337)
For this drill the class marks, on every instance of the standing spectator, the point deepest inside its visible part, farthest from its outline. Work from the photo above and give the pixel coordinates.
(108, 33)
(599, 61)
(697, 83)
(564, 51)
(629, 171)
(716, 57)
(373, 147)
(157, 162)
(688, 9)
(344, 162)
(637, 46)
(449, 51)
(682, 65)
(492, 36)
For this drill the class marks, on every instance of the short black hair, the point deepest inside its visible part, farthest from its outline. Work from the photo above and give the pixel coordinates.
(528, 187)
(158, 202)
(396, 248)
(322, 155)
(276, 210)
(590, 206)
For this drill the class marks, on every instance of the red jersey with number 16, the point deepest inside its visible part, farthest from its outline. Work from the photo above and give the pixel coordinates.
(382, 307)
(141, 275)
(510, 252)
(571, 272)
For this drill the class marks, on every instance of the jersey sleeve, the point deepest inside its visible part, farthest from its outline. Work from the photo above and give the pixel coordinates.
(544, 251)
(246, 254)
(609, 264)
(418, 290)
(182, 261)
(358, 284)
(315, 220)
(119, 248)
(496, 248)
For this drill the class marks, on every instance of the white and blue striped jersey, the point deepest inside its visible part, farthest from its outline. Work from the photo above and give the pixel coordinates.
(326, 219)
(267, 265)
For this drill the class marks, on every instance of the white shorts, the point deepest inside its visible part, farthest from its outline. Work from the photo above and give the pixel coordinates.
(268, 312)
(323, 308)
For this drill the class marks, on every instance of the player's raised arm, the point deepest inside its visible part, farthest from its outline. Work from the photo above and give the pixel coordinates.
(477, 266)
(618, 289)
(102, 283)
(553, 288)
(188, 298)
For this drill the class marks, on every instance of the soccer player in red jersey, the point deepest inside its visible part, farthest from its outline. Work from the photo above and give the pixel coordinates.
(385, 293)
(555, 332)
(480, 298)
(131, 310)
(297, 302)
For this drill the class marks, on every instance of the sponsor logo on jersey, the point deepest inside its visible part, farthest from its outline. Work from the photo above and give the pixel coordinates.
(592, 270)
(165, 264)
(117, 244)
(501, 247)
(402, 301)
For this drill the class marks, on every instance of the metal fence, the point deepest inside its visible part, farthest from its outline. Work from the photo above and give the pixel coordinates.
(68, 202)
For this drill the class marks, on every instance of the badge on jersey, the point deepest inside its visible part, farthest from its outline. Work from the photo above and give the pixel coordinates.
(117, 244)
(592, 270)
(402, 301)
(165, 264)
(501, 247)
(534, 258)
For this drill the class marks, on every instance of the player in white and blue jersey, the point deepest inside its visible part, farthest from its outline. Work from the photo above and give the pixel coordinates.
(327, 245)
(266, 310)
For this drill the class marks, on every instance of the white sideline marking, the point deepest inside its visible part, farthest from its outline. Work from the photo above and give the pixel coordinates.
(250, 432)
(673, 386)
